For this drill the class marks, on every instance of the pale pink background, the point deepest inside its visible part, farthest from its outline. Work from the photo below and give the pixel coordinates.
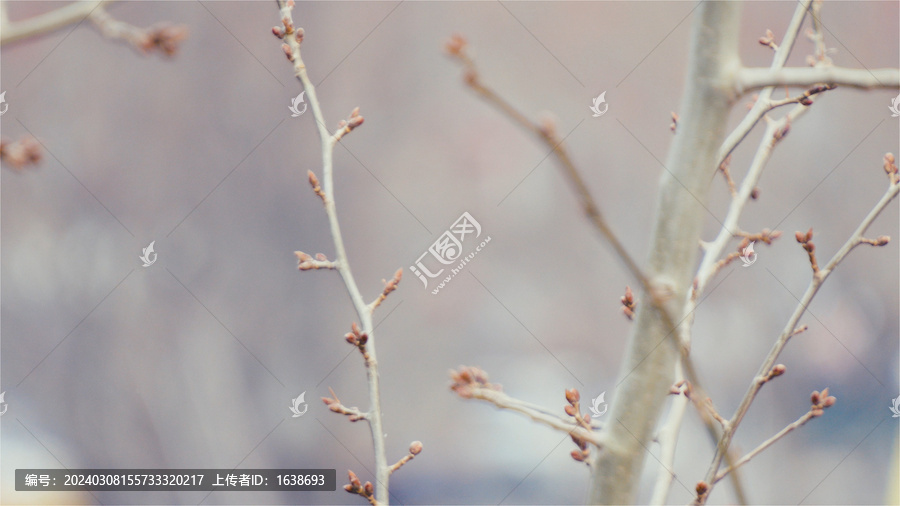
(154, 377)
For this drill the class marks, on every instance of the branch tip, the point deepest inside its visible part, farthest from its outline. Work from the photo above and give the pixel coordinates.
(21, 154)
(629, 303)
(314, 182)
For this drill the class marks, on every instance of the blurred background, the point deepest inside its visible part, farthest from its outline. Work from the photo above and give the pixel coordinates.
(193, 361)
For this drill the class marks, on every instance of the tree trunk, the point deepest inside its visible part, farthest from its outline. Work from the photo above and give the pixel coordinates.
(648, 369)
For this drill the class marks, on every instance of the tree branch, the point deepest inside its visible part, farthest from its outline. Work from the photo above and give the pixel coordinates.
(790, 328)
(648, 368)
(821, 402)
(749, 79)
(762, 104)
(293, 37)
(74, 12)
(472, 383)
(546, 132)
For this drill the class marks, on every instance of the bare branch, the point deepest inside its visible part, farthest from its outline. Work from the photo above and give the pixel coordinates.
(415, 448)
(163, 37)
(749, 79)
(791, 328)
(334, 404)
(292, 38)
(74, 12)
(712, 252)
(819, 403)
(660, 296)
(389, 286)
(472, 383)
(762, 104)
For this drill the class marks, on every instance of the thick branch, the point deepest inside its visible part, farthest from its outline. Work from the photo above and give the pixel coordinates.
(648, 369)
(749, 79)
(75, 12)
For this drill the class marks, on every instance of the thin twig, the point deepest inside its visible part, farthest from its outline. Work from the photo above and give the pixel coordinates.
(814, 412)
(292, 37)
(763, 102)
(471, 383)
(790, 328)
(667, 437)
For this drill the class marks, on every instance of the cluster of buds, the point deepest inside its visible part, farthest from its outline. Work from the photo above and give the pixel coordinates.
(305, 262)
(629, 304)
(356, 487)
(782, 132)
(702, 489)
(820, 401)
(21, 153)
(389, 286)
(805, 98)
(314, 182)
(345, 126)
(356, 337)
(806, 241)
(891, 168)
(163, 37)
(287, 32)
(334, 404)
(682, 387)
(769, 40)
(466, 380)
(457, 47)
(573, 409)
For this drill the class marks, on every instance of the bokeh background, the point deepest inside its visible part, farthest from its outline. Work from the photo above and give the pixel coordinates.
(193, 362)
